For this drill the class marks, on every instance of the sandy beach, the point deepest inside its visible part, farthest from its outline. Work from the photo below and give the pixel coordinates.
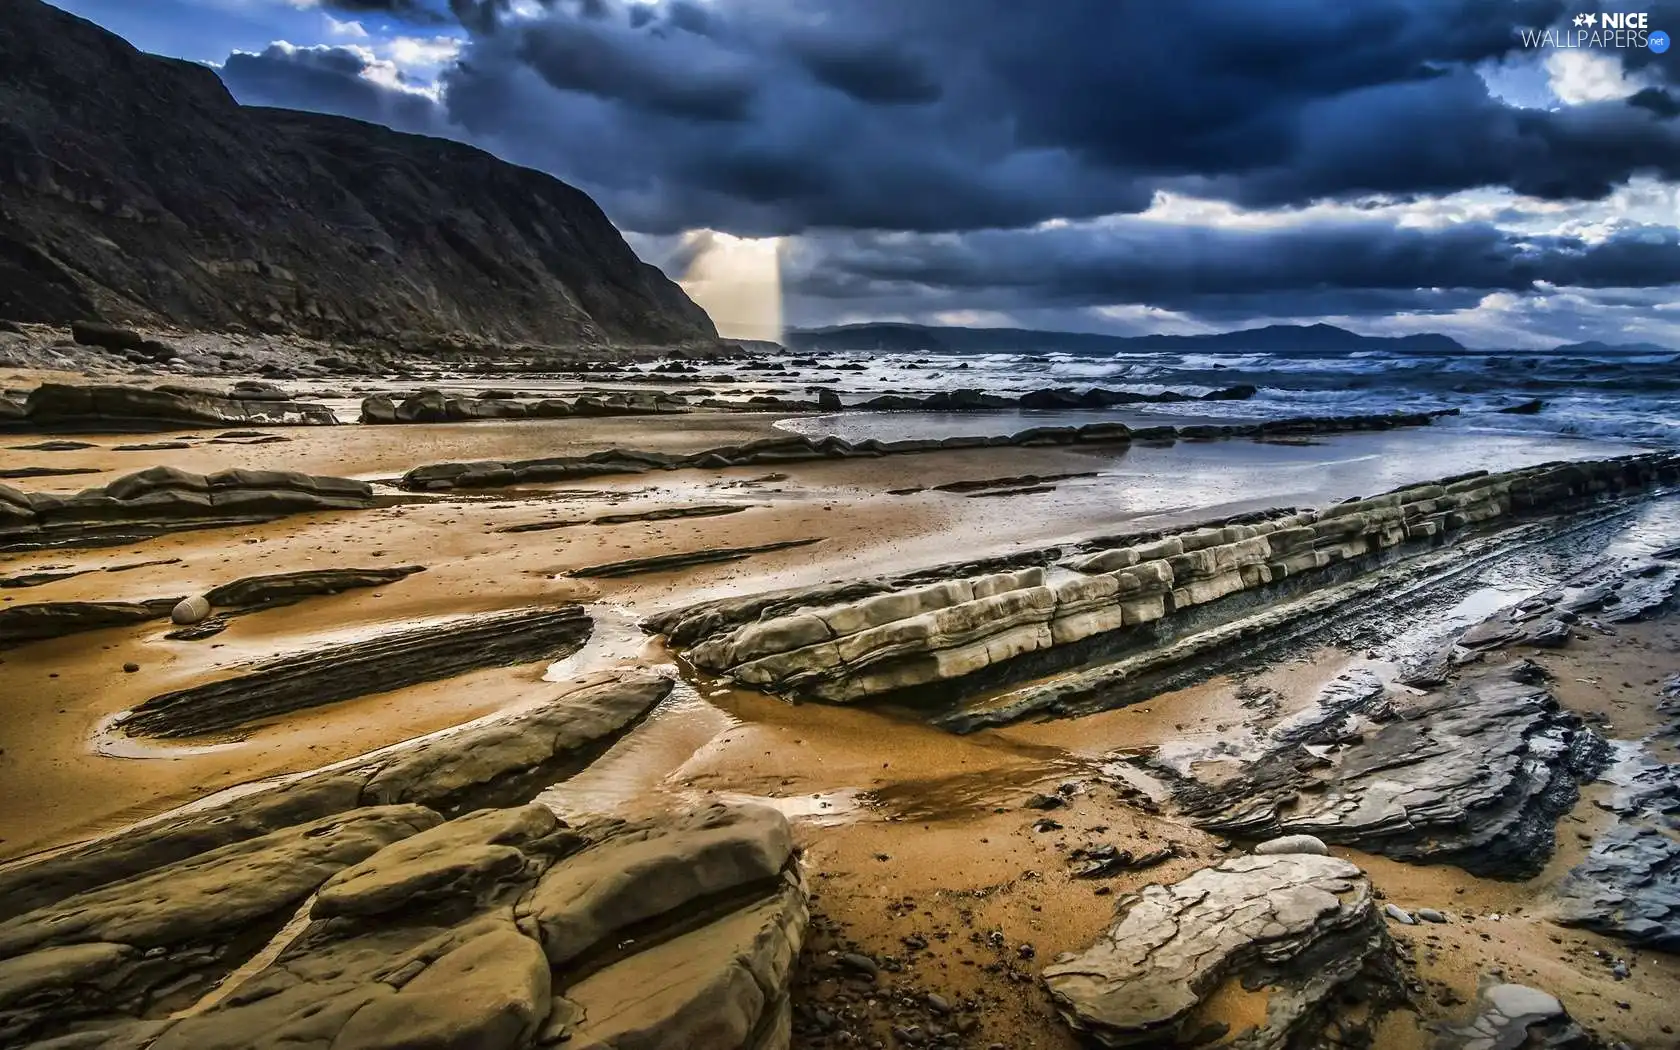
(909, 833)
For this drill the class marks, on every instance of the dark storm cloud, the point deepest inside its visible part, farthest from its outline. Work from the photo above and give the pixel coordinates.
(420, 11)
(762, 117)
(1323, 267)
(329, 79)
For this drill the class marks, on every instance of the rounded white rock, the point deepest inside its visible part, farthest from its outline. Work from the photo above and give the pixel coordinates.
(1292, 844)
(189, 611)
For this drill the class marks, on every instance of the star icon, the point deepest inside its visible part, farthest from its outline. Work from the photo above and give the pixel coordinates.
(1592, 20)
(1580, 20)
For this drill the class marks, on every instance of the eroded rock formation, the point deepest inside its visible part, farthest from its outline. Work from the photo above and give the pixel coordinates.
(491, 474)
(164, 499)
(1303, 931)
(873, 639)
(1476, 775)
(92, 409)
(504, 760)
(341, 672)
(503, 929)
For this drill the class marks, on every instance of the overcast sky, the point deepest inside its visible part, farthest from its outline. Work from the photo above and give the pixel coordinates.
(1096, 165)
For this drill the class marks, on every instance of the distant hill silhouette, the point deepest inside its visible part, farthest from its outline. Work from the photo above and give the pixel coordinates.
(911, 338)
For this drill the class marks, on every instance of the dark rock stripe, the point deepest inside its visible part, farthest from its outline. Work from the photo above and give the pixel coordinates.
(666, 562)
(492, 474)
(377, 665)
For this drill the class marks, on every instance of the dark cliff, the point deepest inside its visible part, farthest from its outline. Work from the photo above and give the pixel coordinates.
(134, 188)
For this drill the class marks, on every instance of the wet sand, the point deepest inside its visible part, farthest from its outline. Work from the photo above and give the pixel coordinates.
(908, 831)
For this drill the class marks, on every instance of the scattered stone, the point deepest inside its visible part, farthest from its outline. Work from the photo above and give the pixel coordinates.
(1432, 915)
(1292, 844)
(189, 611)
(1399, 914)
(1515, 1015)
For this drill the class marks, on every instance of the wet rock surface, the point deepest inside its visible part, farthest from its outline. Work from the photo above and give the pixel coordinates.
(256, 592)
(503, 760)
(433, 406)
(1517, 1017)
(873, 639)
(1476, 776)
(503, 928)
(685, 559)
(95, 409)
(380, 664)
(40, 620)
(1303, 927)
(165, 499)
(492, 474)
(1628, 887)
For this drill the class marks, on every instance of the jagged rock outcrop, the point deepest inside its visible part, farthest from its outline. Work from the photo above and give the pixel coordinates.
(1476, 775)
(136, 190)
(1304, 927)
(164, 499)
(491, 474)
(499, 761)
(328, 674)
(93, 409)
(1628, 887)
(873, 640)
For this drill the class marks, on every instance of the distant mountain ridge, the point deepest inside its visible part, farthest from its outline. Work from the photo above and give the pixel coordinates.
(1322, 338)
(134, 189)
(952, 339)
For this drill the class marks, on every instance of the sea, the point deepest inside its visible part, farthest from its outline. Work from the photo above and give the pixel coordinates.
(1620, 396)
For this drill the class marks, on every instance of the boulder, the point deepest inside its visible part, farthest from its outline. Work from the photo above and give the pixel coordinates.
(1292, 844)
(1453, 782)
(189, 611)
(1305, 926)
(379, 409)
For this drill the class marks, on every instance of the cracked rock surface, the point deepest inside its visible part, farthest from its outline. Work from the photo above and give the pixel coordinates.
(1476, 775)
(1304, 926)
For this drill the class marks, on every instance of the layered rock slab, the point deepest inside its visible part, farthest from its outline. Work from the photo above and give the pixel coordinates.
(502, 760)
(140, 946)
(446, 938)
(380, 664)
(1303, 928)
(165, 499)
(871, 639)
(90, 409)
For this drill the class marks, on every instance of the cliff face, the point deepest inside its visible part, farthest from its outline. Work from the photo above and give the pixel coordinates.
(134, 188)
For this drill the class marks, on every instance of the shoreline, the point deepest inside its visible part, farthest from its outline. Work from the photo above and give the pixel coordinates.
(887, 808)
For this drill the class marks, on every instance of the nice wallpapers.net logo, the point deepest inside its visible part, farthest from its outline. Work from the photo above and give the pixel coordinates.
(1601, 29)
